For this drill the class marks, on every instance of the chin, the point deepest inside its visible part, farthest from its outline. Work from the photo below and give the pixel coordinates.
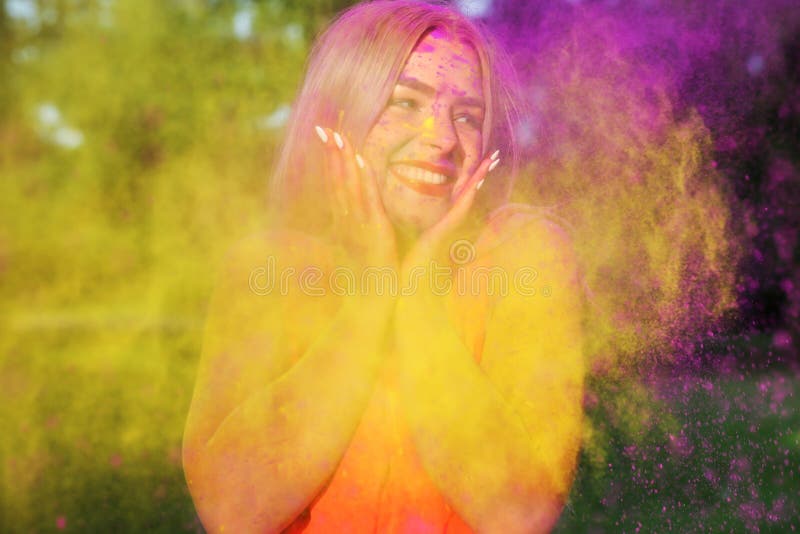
(414, 226)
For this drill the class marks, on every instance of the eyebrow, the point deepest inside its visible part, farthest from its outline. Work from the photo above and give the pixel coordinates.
(417, 85)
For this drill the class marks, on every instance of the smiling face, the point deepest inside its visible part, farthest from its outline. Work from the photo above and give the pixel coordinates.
(428, 140)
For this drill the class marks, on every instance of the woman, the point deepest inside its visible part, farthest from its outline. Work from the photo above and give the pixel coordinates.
(448, 401)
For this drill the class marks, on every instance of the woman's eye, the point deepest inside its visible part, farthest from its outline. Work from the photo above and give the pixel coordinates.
(403, 103)
(468, 119)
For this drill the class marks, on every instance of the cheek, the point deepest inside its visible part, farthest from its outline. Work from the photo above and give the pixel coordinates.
(374, 147)
(392, 130)
(379, 137)
(473, 147)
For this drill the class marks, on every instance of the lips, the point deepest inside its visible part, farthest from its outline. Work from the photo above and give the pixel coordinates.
(422, 177)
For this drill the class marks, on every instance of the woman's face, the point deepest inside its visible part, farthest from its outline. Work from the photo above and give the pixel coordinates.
(428, 140)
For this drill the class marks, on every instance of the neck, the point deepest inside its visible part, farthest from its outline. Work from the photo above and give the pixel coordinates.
(405, 241)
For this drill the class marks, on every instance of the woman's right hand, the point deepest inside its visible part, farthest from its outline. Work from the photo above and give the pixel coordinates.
(360, 223)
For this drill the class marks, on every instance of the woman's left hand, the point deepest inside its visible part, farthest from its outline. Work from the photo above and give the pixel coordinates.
(432, 240)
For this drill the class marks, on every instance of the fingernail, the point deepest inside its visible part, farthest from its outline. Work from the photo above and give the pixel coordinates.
(494, 164)
(338, 139)
(360, 161)
(321, 133)
(480, 184)
(495, 155)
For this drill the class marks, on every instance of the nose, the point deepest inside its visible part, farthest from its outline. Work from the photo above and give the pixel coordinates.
(438, 132)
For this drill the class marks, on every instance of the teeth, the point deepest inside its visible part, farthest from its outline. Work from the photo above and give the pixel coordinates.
(420, 175)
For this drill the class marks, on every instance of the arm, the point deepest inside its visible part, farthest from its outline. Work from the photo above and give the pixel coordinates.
(265, 432)
(500, 439)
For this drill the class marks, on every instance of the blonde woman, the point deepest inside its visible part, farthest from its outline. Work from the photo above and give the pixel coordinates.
(401, 352)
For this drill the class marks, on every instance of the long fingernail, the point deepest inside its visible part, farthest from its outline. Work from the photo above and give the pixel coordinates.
(494, 164)
(495, 155)
(360, 161)
(321, 133)
(338, 139)
(480, 184)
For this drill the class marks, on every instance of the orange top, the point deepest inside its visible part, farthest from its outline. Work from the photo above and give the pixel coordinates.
(380, 485)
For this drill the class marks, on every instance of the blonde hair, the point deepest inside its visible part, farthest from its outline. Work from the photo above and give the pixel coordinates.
(351, 72)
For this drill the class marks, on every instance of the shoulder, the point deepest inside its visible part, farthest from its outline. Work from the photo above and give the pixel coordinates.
(518, 233)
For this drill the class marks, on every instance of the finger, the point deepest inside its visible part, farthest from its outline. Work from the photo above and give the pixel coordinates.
(466, 196)
(476, 180)
(336, 174)
(326, 174)
(351, 177)
(373, 204)
(462, 204)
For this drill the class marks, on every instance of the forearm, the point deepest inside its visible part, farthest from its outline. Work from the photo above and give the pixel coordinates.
(473, 443)
(275, 451)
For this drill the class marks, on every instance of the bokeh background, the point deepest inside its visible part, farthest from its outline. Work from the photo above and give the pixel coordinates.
(136, 138)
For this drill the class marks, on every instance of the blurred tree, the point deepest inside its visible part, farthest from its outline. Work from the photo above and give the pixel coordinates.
(6, 46)
(136, 138)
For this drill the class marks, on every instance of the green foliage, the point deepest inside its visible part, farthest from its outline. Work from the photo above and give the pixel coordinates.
(134, 149)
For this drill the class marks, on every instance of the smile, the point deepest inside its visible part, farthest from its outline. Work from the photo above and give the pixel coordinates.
(424, 178)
